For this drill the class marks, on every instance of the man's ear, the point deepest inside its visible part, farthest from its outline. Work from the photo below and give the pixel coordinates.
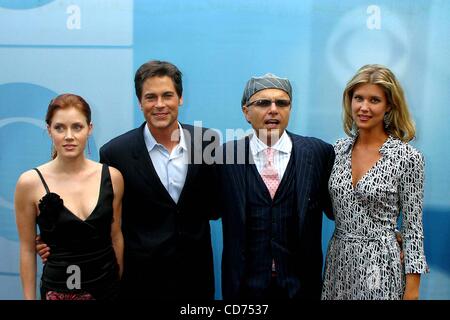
(181, 101)
(245, 111)
(48, 131)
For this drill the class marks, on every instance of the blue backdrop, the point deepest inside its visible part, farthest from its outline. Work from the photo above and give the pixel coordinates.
(93, 47)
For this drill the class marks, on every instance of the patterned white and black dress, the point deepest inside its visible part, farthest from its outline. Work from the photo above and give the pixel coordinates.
(363, 257)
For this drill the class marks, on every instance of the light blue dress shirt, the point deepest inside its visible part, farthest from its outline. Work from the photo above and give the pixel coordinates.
(170, 167)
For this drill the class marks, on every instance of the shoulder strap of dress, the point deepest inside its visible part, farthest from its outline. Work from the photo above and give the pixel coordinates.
(42, 179)
(106, 176)
(105, 171)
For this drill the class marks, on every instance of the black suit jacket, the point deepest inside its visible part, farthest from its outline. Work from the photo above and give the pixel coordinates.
(168, 252)
(313, 162)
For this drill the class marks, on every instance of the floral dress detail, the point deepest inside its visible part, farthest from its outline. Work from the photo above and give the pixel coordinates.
(363, 257)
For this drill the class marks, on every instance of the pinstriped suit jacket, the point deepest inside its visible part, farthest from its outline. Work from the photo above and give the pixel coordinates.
(313, 162)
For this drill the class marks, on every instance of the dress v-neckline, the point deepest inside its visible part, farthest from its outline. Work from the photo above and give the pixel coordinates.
(71, 213)
(90, 214)
(363, 177)
(96, 205)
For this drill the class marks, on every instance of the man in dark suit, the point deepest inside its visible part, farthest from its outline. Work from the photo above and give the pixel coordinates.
(273, 190)
(169, 194)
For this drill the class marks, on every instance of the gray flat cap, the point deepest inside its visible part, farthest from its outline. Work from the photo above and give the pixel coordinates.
(267, 81)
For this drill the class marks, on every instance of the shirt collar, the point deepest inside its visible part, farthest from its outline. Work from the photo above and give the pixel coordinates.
(389, 144)
(283, 145)
(151, 143)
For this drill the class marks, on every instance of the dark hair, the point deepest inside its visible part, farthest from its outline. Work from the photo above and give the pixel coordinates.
(67, 100)
(156, 68)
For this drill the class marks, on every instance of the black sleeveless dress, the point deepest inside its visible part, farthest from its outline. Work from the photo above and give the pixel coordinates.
(82, 258)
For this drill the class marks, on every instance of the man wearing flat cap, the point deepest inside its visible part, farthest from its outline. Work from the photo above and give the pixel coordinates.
(272, 201)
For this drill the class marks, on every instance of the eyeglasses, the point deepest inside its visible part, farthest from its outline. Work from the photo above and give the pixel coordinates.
(264, 103)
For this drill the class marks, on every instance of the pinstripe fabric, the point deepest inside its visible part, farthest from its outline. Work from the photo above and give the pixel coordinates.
(266, 81)
(271, 233)
(313, 160)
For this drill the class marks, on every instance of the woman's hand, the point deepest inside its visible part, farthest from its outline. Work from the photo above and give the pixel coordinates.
(412, 286)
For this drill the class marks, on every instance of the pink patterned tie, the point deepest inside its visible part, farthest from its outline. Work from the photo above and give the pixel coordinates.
(269, 173)
(270, 177)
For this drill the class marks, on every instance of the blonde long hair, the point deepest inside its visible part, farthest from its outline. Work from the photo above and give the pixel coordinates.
(400, 125)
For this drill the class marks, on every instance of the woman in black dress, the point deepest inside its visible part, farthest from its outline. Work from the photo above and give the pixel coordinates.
(76, 203)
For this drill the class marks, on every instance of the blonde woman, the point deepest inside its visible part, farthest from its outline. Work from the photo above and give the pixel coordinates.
(76, 203)
(377, 178)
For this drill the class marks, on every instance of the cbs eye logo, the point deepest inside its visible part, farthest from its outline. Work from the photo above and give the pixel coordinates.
(365, 34)
(22, 127)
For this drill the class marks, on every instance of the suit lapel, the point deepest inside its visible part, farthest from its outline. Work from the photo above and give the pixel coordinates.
(303, 164)
(243, 171)
(144, 165)
(233, 170)
(251, 167)
(194, 146)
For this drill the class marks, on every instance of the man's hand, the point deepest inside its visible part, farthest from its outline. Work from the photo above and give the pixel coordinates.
(42, 249)
(398, 235)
